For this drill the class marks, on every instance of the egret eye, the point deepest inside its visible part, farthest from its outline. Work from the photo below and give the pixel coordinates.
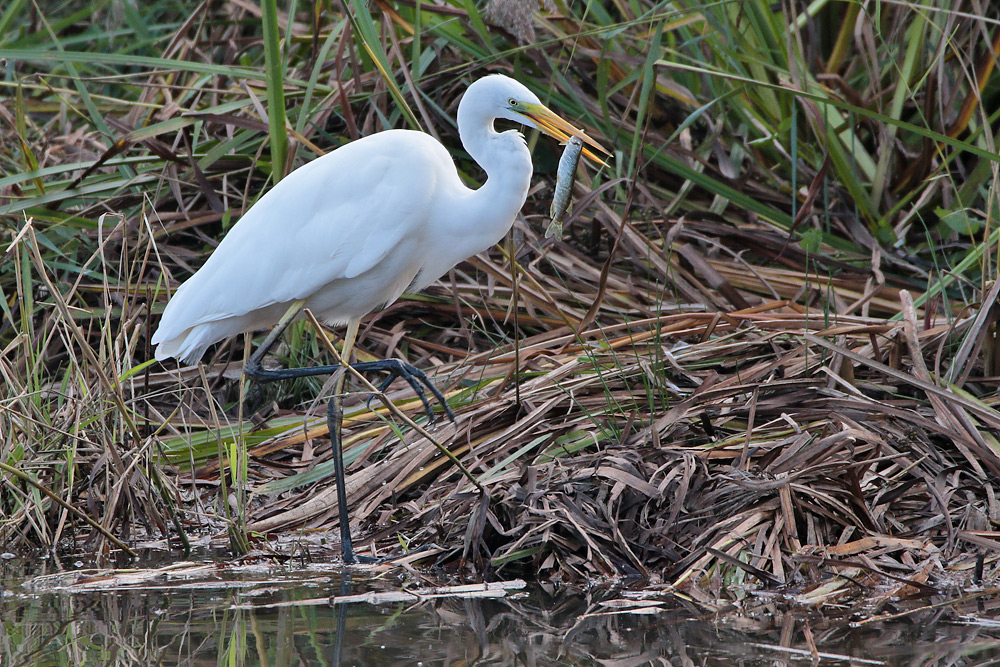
(512, 102)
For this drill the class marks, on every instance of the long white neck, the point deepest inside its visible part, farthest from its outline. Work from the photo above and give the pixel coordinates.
(504, 156)
(468, 222)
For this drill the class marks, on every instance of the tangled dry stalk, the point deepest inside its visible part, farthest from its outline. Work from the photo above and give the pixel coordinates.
(765, 351)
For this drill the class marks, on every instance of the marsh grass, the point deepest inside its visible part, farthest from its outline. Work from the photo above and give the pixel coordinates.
(764, 350)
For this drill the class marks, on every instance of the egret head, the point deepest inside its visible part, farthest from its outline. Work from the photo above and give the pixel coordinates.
(507, 98)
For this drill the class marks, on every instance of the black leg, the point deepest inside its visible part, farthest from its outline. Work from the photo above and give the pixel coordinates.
(334, 419)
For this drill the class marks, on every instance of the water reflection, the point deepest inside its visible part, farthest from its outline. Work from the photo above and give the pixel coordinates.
(279, 615)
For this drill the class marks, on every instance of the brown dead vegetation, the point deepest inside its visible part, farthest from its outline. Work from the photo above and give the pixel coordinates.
(751, 360)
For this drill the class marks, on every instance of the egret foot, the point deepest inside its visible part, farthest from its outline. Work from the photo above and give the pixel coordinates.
(413, 376)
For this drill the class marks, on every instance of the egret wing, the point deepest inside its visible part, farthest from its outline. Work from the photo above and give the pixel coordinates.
(335, 218)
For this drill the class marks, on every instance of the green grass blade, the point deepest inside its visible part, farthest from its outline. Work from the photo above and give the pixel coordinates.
(274, 68)
(367, 35)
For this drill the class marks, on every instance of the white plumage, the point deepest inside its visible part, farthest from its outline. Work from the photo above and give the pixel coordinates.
(350, 231)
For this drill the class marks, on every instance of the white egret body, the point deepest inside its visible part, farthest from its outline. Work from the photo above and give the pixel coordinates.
(350, 231)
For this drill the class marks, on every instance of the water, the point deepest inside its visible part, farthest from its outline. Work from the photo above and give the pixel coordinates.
(276, 615)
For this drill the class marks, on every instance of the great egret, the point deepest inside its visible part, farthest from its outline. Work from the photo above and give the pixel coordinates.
(347, 233)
